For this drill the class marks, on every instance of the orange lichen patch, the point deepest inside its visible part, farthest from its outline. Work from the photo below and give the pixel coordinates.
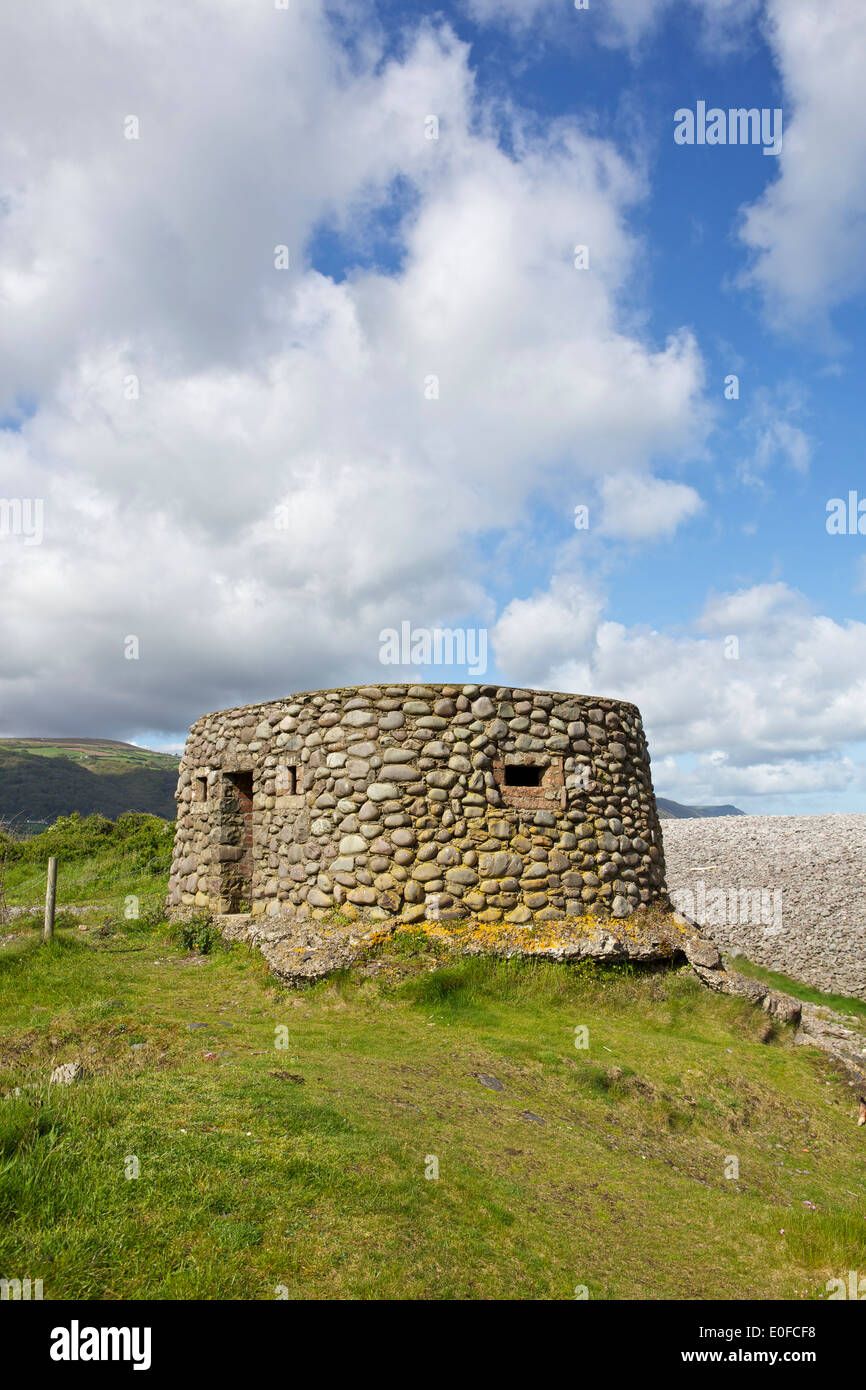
(641, 936)
(313, 948)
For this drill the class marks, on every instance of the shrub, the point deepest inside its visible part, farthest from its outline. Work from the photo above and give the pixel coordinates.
(148, 920)
(197, 933)
(142, 840)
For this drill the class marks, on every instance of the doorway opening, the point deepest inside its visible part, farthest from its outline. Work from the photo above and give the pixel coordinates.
(237, 870)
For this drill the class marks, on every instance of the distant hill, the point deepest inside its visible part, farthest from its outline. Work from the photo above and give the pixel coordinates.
(675, 810)
(43, 778)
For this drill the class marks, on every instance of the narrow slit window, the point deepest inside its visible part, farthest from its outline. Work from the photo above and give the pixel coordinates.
(286, 781)
(523, 775)
(200, 789)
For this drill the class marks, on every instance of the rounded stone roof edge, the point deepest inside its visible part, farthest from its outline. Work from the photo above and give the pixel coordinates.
(429, 685)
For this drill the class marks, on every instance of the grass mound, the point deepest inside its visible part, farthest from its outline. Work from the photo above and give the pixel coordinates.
(422, 1126)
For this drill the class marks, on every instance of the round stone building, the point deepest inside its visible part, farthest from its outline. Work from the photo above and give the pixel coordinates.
(419, 801)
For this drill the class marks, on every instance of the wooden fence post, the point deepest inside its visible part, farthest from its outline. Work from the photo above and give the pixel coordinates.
(50, 896)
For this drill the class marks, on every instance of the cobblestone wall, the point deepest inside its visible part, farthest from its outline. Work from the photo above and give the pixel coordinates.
(419, 801)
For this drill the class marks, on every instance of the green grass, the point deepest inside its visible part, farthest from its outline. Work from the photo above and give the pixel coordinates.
(101, 862)
(304, 1167)
(841, 1003)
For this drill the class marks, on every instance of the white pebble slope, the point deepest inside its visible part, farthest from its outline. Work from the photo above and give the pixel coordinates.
(811, 868)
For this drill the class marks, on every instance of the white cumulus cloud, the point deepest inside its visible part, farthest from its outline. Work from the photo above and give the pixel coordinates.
(805, 233)
(255, 470)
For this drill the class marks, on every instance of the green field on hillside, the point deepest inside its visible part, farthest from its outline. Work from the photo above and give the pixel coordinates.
(42, 778)
(98, 754)
(289, 1141)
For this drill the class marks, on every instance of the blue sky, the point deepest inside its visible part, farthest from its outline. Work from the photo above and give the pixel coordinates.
(241, 467)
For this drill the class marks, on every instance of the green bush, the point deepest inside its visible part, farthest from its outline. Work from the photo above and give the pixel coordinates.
(148, 920)
(99, 861)
(197, 933)
(139, 837)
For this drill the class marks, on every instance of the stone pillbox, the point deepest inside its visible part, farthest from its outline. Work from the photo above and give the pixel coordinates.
(418, 802)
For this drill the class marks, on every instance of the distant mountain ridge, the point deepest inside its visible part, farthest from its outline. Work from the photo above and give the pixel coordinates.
(675, 810)
(43, 778)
